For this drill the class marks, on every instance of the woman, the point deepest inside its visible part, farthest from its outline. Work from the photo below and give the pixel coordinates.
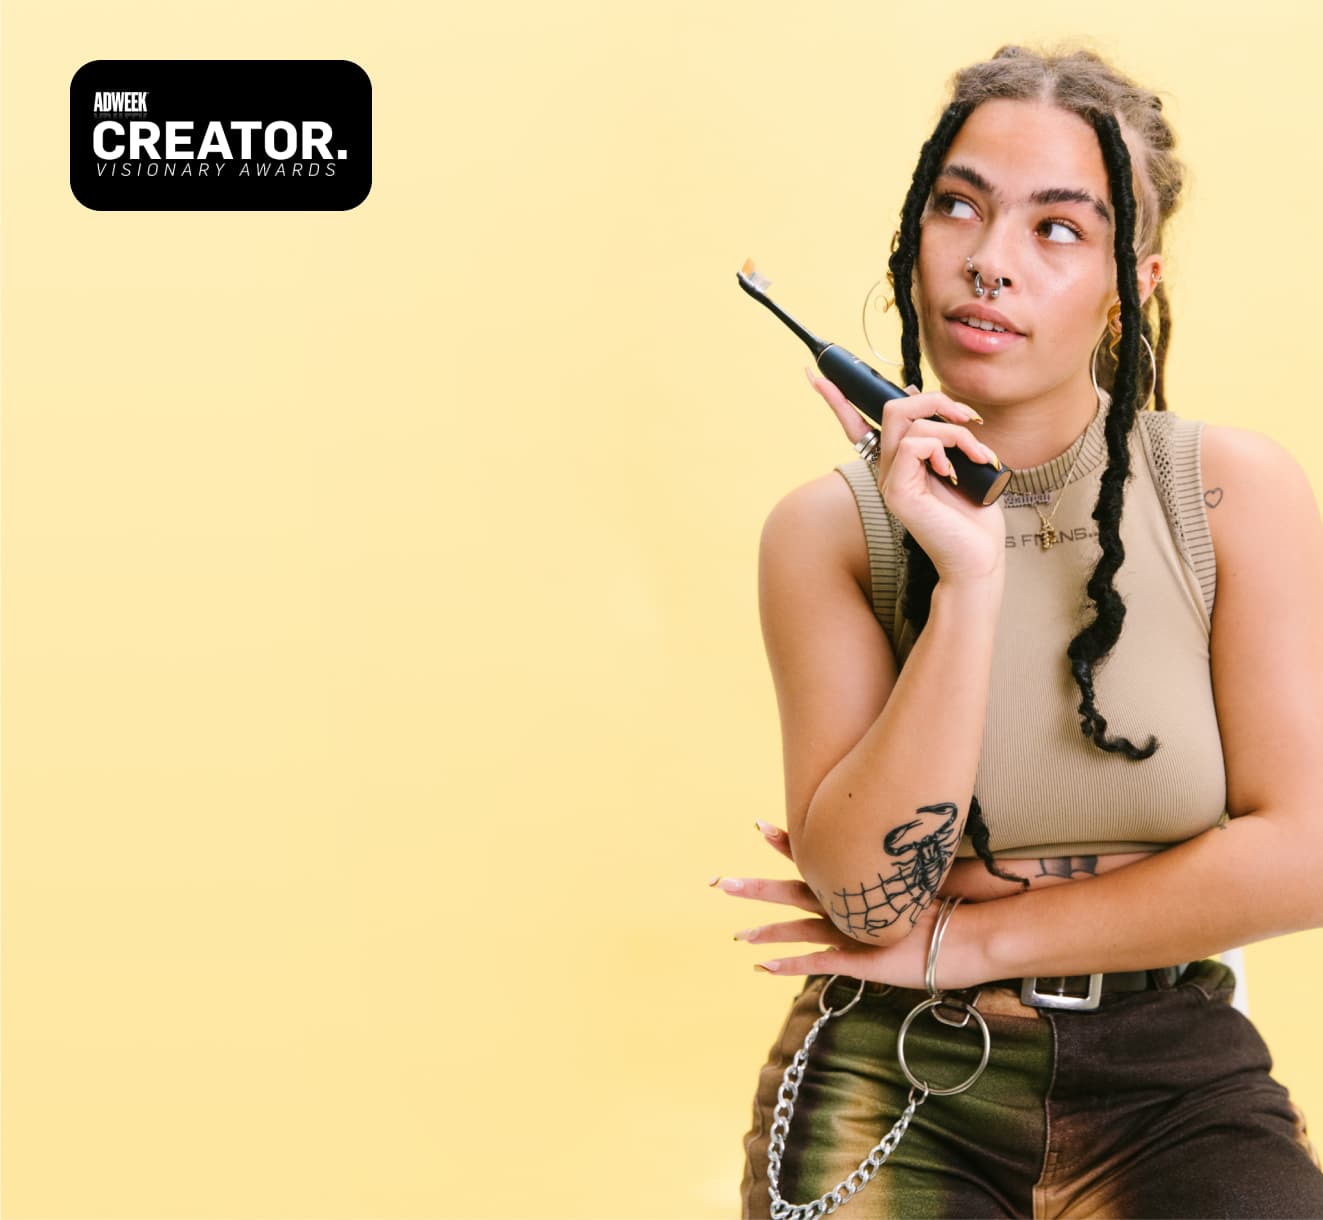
(941, 681)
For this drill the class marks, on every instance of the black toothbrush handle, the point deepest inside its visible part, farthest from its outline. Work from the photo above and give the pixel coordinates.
(869, 391)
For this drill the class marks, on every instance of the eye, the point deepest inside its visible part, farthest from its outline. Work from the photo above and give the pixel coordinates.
(954, 206)
(1060, 231)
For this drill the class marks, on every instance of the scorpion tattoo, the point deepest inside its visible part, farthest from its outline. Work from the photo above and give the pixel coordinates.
(921, 859)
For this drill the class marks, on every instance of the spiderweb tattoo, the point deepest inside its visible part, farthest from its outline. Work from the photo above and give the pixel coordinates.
(921, 859)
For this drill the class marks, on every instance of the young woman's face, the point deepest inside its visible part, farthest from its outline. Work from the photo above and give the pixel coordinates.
(1023, 191)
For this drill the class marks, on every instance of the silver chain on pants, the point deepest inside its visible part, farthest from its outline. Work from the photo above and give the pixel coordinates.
(788, 1093)
(786, 1097)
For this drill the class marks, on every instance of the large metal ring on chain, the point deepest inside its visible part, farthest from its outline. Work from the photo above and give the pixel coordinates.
(905, 1027)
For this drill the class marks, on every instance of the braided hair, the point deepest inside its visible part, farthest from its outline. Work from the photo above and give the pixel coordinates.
(1082, 83)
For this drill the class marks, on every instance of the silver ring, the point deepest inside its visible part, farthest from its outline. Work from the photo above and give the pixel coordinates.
(836, 1012)
(979, 288)
(905, 1028)
(867, 446)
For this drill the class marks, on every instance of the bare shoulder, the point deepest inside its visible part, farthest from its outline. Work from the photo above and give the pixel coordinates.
(1254, 491)
(821, 519)
(1226, 450)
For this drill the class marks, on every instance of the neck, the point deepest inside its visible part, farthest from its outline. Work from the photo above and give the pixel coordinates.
(1035, 430)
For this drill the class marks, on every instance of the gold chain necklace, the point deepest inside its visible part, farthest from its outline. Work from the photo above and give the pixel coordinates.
(1048, 536)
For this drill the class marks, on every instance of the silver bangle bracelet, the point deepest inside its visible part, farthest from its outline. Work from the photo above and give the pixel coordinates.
(935, 945)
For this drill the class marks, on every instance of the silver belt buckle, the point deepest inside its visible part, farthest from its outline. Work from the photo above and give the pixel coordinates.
(1030, 995)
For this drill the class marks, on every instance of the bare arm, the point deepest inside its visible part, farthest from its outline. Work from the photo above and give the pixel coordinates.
(912, 771)
(875, 762)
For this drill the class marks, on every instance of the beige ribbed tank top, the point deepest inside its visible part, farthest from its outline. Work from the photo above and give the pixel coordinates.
(1044, 788)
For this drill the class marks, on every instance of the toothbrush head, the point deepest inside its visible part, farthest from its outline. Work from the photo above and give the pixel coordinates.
(751, 276)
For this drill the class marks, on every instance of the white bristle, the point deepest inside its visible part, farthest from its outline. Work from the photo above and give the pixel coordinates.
(758, 280)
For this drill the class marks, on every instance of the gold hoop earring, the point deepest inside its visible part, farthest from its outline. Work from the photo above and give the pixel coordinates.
(886, 305)
(1153, 364)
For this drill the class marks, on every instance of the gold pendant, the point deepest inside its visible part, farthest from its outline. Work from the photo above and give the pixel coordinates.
(1046, 536)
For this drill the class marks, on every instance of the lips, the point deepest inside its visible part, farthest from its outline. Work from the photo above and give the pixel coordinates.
(981, 330)
(980, 317)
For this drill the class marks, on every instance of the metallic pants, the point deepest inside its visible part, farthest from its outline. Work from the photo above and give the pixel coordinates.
(1157, 1104)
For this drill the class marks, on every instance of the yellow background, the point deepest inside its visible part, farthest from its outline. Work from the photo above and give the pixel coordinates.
(382, 679)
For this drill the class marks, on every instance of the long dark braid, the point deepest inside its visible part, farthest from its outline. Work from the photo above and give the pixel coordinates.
(1160, 348)
(1091, 647)
(1092, 90)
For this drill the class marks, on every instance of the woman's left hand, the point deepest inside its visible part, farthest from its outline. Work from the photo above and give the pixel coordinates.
(901, 964)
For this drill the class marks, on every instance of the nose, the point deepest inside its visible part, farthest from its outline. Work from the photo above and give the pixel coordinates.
(990, 263)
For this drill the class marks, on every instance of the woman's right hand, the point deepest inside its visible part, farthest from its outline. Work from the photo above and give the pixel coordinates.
(964, 540)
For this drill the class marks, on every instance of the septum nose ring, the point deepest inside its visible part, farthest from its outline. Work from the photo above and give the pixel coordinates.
(979, 288)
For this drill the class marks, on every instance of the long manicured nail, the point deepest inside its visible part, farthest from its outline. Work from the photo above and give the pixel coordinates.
(730, 884)
(767, 828)
(812, 378)
(748, 934)
(911, 389)
(977, 418)
(768, 967)
(714, 881)
(993, 459)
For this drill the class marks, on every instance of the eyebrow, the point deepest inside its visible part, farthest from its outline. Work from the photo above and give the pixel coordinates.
(1055, 194)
